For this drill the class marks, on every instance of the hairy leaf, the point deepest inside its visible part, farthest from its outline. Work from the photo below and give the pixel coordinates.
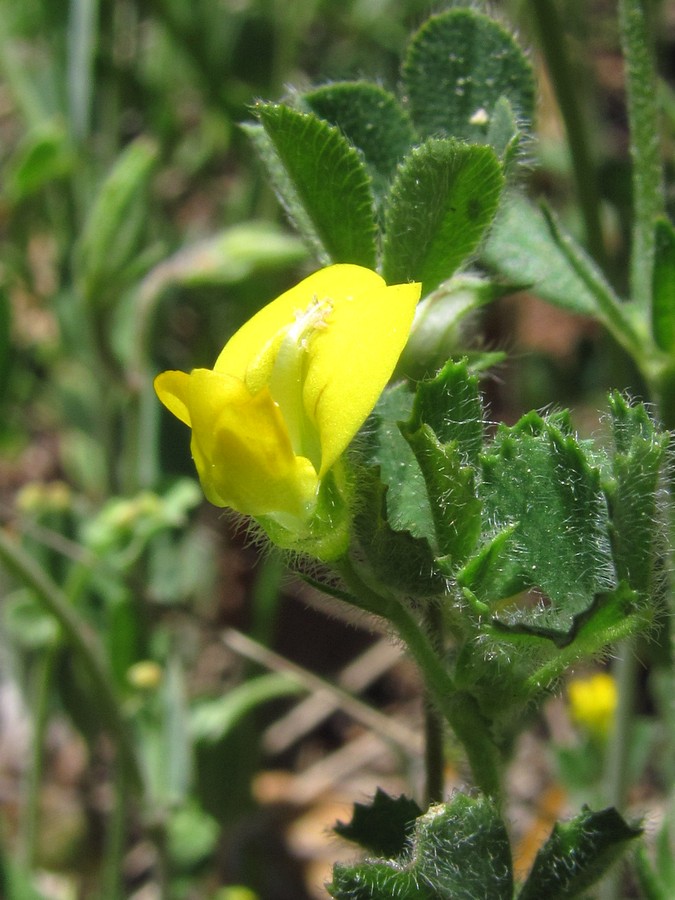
(577, 854)
(407, 504)
(444, 197)
(459, 851)
(520, 248)
(372, 119)
(457, 68)
(633, 493)
(538, 481)
(321, 182)
(451, 490)
(450, 404)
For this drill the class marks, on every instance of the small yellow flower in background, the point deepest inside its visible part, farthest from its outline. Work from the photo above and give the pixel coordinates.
(593, 702)
(145, 675)
(39, 497)
(290, 390)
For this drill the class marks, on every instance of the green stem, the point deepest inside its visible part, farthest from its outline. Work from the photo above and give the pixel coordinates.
(615, 314)
(617, 776)
(542, 678)
(84, 643)
(111, 877)
(434, 758)
(459, 708)
(42, 676)
(82, 43)
(565, 81)
(643, 116)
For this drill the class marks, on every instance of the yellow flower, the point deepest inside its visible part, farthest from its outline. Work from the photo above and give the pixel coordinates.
(290, 390)
(593, 702)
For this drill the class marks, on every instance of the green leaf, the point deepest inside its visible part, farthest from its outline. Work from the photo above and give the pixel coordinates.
(633, 492)
(610, 617)
(321, 182)
(458, 66)
(407, 502)
(192, 836)
(372, 119)
(503, 133)
(443, 198)
(486, 569)
(534, 245)
(379, 881)
(451, 405)
(521, 249)
(663, 304)
(538, 481)
(228, 257)
(431, 490)
(384, 826)
(110, 237)
(396, 558)
(459, 851)
(451, 489)
(393, 521)
(577, 854)
(212, 720)
(44, 155)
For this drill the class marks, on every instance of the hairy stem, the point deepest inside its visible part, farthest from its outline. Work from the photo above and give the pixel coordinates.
(458, 707)
(565, 81)
(434, 761)
(643, 117)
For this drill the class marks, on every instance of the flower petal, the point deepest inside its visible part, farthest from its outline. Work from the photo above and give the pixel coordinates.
(349, 361)
(172, 388)
(241, 447)
(250, 352)
(352, 359)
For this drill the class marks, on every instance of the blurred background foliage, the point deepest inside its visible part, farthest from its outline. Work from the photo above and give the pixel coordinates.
(136, 233)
